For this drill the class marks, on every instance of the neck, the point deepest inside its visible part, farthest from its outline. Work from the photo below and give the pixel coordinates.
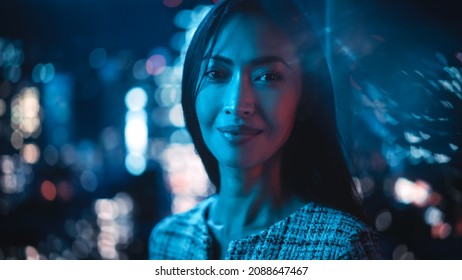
(249, 201)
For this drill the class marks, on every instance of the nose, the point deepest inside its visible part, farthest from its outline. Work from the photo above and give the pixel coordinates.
(240, 99)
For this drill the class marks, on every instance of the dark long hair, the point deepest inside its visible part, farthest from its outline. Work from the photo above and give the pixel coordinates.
(313, 164)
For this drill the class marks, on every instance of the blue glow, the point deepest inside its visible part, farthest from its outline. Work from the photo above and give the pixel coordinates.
(136, 99)
(136, 131)
(183, 19)
(43, 73)
(57, 109)
(97, 58)
(135, 163)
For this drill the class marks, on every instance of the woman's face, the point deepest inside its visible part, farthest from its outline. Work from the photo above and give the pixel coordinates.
(247, 101)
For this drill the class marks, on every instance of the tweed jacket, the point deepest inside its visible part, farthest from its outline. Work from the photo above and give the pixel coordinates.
(313, 232)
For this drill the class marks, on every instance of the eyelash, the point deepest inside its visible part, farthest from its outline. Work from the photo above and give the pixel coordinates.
(274, 77)
(213, 72)
(217, 75)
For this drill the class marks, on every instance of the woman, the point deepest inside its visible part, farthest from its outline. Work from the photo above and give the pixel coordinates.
(259, 106)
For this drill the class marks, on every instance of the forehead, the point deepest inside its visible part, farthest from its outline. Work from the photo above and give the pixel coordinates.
(245, 36)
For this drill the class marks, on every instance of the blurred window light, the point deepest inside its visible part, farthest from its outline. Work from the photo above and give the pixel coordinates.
(68, 154)
(12, 73)
(7, 165)
(407, 192)
(97, 58)
(15, 174)
(48, 190)
(2, 107)
(105, 209)
(441, 158)
(441, 230)
(89, 156)
(58, 109)
(453, 147)
(183, 19)
(65, 190)
(16, 139)
(25, 112)
(433, 216)
(30, 153)
(110, 138)
(135, 163)
(180, 136)
(43, 73)
(156, 64)
(412, 137)
(50, 155)
(186, 176)
(31, 253)
(401, 252)
(136, 99)
(160, 116)
(88, 181)
(81, 249)
(172, 3)
(124, 203)
(11, 53)
(383, 220)
(167, 96)
(114, 219)
(177, 41)
(176, 116)
(167, 77)
(136, 131)
(394, 154)
(139, 70)
(367, 185)
(418, 153)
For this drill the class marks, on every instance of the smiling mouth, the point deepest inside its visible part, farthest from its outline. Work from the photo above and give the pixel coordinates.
(238, 134)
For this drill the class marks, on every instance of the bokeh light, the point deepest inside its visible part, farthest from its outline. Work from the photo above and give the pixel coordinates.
(136, 99)
(2, 107)
(30, 153)
(43, 73)
(409, 192)
(97, 58)
(136, 130)
(156, 64)
(172, 3)
(114, 218)
(25, 112)
(48, 190)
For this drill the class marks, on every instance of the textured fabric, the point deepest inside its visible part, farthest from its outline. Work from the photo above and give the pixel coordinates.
(313, 232)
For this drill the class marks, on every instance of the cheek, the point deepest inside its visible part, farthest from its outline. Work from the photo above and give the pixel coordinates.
(283, 110)
(204, 109)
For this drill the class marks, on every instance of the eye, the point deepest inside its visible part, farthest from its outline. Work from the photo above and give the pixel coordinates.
(216, 75)
(269, 77)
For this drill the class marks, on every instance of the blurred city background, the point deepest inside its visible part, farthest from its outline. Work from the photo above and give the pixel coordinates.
(93, 150)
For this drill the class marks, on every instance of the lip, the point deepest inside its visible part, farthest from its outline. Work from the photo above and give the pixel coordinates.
(238, 134)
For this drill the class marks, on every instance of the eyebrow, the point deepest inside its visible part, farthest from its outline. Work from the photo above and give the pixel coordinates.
(257, 61)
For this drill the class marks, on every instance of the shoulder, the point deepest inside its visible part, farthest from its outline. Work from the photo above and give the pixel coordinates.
(323, 216)
(349, 236)
(183, 220)
(176, 236)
